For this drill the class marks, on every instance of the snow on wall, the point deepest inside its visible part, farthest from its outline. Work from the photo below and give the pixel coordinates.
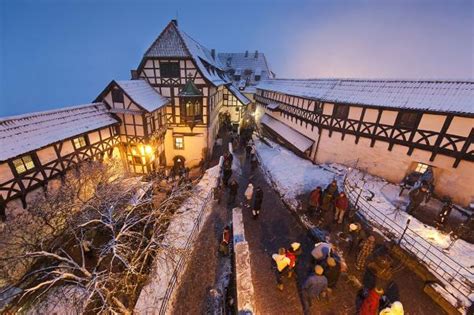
(177, 246)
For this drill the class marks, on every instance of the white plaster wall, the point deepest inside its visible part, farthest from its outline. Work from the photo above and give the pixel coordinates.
(46, 155)
(193, 146)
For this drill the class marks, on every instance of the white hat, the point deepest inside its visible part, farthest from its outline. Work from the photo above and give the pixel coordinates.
(295, 245)
(352, 227)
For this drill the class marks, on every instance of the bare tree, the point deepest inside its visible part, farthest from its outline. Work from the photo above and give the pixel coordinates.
(97, 233)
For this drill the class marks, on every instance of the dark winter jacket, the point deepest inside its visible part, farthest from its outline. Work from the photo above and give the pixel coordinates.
(417, 196)
(370, 306)
(314, 285)
(332, 274)
(331, 190)
(342, 202)
(233, 187)
(315, 198)
(257, 203)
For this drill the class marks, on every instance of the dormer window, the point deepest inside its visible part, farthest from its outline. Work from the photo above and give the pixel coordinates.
(341, 111)
(407, 120)
(79, 142)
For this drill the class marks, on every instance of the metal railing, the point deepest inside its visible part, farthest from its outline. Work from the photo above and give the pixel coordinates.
(181, 264)
(436, 260)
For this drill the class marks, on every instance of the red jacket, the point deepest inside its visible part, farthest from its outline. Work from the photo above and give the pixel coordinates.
(342, 202)
(370, 306)
(292, 258)
(226, 237)
(315, 198)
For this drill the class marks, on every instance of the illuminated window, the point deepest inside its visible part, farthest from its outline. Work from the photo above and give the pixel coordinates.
(23, 164)
(79, 142)
(179, 143)
(137, 160)
(421, 168)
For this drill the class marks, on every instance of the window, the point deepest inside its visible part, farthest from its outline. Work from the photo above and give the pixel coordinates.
(179, 143)
(23, 164)
(137, 160)
(79, 142)
(117, 96)
(237, 77)
(341, 111)
(225, 97)
(421, 168)
(192, 109)
(169, 69)
(257, 77)
(407, 120)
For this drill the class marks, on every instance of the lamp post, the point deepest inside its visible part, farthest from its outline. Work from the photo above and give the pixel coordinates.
(404, 231)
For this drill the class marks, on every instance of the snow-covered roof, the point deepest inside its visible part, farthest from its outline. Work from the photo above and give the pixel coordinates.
(173, 42)
(29, 132)
(296, 139)
(143, 94)
(273, 106)
(442, 95)
(242, 98)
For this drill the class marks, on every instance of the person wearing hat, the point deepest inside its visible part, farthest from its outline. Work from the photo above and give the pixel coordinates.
(321, 251)
(370, 306)
(313, 287)
(332, 272)
(342, 204)
(366, 248)
(282, 264)
(356, 235)
(292, 253)
(395, 309)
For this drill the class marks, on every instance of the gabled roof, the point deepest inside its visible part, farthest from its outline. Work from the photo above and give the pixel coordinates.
(242, 98)
(24, 133)
(173, 42)
(143, 94)
(429, 95)
(190, 90)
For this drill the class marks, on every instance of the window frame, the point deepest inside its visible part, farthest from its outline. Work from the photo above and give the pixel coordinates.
(86, 142)
(175, 143)
(421, 166)
(401, 122)
(117, 96)
(167, 71)
(196, 109)
(340, 111)
(25, 164)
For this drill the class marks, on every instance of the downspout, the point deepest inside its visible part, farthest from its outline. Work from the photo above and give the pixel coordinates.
(320, 131)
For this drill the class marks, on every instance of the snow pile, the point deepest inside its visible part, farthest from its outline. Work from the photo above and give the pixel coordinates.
(177, 244)
(293, 176)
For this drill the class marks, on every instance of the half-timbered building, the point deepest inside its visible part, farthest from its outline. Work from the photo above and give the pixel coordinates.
(40, 146)
(193, 78)
(388, 127)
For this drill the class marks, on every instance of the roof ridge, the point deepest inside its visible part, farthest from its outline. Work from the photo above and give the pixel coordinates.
(375, 80)
(50, 111)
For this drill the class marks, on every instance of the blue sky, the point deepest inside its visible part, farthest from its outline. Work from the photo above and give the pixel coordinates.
(56, 53)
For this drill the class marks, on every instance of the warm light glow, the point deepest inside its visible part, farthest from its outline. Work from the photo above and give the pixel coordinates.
(148, 149)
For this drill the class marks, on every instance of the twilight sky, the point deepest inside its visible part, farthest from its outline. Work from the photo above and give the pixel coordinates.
(56, 53)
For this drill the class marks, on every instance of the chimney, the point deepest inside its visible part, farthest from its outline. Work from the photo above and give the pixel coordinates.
(134, 74)
(213, 53)
(246, 53)
(256, 54)
(175, 22)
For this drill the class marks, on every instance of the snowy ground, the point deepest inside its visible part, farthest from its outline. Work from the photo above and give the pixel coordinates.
(294, 176)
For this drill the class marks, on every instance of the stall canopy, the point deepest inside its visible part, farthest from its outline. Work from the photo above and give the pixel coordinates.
(290, 135)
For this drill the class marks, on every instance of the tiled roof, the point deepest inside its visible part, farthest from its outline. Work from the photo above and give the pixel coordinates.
(25, 133)
(173, 42)
(143, 94)
(442, 95)
(254, 61)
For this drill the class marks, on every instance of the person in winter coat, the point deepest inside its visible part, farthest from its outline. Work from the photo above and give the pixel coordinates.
(395, 309)
(248, 149)
(225, 240)
(321, 252)
(341, 203)
(253, 162)
(356, 236)
(248, 195)
(233, 190)
(315, 199)
(366, 248)
(227, 173)
(281, 264)
(257, 202)
(292, 257)
(332, 272)
(370, 306)
(330, 194)
(417, 196)
(313, 287)
(445, 212)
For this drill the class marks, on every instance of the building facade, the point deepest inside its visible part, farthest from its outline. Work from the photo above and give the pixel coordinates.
(387, 127)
